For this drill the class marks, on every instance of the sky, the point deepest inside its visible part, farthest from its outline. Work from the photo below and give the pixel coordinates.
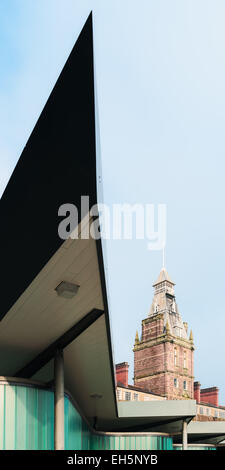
(160, 74)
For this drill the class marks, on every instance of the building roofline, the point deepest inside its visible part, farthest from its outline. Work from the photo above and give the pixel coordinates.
(132, 387)
(203, 403)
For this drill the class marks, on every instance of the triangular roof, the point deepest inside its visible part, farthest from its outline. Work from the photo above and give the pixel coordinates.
(57, 166)
(163, 276)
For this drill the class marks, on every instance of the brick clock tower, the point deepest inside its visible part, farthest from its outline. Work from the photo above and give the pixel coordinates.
(164, 356)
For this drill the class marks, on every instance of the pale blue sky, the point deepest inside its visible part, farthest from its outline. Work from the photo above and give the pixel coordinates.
(160, 72)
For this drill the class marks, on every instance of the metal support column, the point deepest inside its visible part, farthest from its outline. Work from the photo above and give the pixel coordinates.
(59, 401)
(184, 436)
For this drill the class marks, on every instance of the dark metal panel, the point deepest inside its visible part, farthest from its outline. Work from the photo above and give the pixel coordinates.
(57, 166)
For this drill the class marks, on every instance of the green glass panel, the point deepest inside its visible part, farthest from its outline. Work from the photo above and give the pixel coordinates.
(194, 447)
(2, 416)
(85, 436)
(132, 443)
(10, 418)
(74, 427)
(20, 418)
(42, 425)
(49, 420)
(32, 421)
(138, 442)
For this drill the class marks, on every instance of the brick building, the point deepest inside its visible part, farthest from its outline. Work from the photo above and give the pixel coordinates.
(127, 392)
(163, 357)
(206, 395)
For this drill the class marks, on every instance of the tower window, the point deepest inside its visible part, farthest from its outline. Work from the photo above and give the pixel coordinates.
(185, 385)
(176, 383)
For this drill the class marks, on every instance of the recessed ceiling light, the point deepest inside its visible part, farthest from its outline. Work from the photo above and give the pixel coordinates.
(67, 290)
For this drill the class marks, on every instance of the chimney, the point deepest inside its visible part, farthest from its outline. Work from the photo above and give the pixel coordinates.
(210, 395)
(197, 391)
(122, 373)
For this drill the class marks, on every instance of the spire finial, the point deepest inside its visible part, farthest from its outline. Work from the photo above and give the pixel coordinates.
(137, 338)
(167, 328)
(191, 336)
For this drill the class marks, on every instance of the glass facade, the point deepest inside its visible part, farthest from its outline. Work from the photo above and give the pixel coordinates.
(131, 442)
(195, 447)
(27, 422)
(26, 418)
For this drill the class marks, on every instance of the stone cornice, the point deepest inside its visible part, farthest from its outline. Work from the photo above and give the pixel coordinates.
(165, 338)
(158, 316)
(172, 372)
